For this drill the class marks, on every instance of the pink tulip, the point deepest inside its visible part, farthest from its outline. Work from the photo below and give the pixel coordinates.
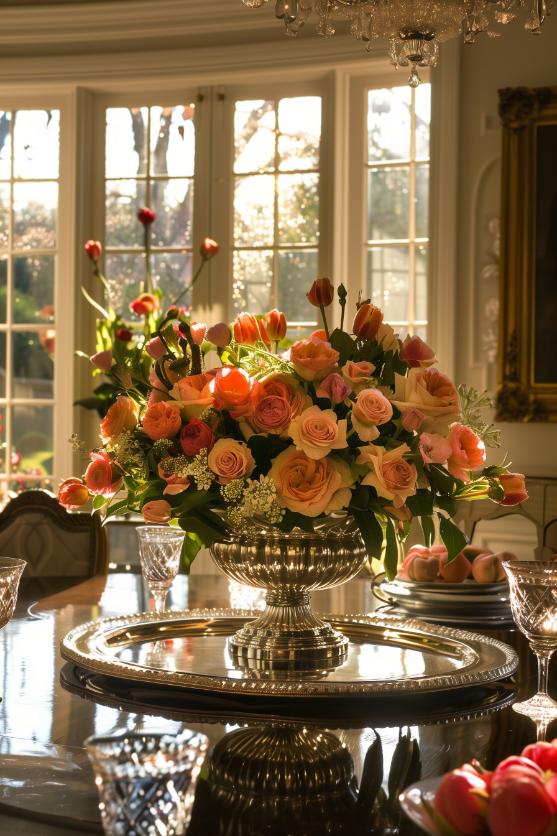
(417, 353)
(157, 511)
(219, 334)
(102, 360)
(461, 800)
(155, 348)
(543, 754)
(519, 804)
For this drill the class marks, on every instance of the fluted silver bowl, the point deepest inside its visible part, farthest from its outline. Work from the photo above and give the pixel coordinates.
(288, 637)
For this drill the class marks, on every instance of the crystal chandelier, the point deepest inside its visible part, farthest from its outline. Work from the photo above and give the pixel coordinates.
(414, 28)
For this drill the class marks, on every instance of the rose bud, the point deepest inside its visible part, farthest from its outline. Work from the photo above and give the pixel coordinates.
(198, 331)
(456, 571)
(514, 486)
(543, 754)
(146, 216)
(246, 329)
(73, 494)
(93, 249)
(275, 324)
(102, 360)
(155, 348)
(519, 804)
(367, 322)
(321, 293)
(487, 568)
(461, 800)
(124, 334)
(416, 353)
(208, 248)
(219, 334)
(423, 569)
(145, 304)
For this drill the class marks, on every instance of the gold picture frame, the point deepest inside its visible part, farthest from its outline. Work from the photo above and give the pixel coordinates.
(528, 280)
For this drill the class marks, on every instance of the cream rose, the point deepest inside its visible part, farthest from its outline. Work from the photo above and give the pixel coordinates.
(392, 477)
(371, 410)
(230, 459)
(430, 391)
(318, 431)
(309, 486)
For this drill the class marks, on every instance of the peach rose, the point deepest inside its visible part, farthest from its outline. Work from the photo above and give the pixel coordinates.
(103, 475)
(193, 394)
(468, 451)
(358, 375)
(430, 391)
(392, 477)
(162, 420)
(230, 459)
(434, 448)
(283, 386)
(371, 410)
(121, 416)
(232, 389)
(417, 353)
(309, 486)
(73, 494)
(313, 359)
(157, 511)
(317, 432)
(333, 388)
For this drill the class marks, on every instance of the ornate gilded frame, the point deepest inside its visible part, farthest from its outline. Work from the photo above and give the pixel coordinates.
(520, 396)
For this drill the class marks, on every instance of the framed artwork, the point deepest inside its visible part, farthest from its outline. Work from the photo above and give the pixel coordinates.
(528, 282)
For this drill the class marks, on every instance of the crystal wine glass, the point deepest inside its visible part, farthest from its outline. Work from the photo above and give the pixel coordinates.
(533, 588)
(146, 782)
(159, 552)
(11, 570)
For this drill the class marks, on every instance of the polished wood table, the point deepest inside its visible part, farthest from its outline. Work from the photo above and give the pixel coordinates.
(262, 777)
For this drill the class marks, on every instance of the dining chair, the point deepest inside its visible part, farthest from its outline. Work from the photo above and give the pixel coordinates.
(53, 541)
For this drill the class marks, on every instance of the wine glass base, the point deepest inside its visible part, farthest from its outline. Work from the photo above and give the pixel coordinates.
(538, 708)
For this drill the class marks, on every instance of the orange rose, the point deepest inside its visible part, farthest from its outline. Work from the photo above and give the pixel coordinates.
(468, 451)
(162, 420)
(232, 390)
(230, 459)
(370, 411)
(313, 358)
(193, 394)
(308, 486)
(430, 391)
(358, 375)
(121, 416)
(392, 477)
(317, 432)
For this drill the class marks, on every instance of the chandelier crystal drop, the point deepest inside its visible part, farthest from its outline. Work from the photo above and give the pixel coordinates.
(414, 28)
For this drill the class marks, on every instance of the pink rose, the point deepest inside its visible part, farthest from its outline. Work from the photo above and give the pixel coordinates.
(162, 420)
(102, 360)
(103, 475)
(370, 411)
(309, 486)
(196, 435)
(468, 451)
(313, 359)
(392, 477)
(333, 388)
(271, 415)
(155, 348)
(412, 420)
(157, 511)
(358, 375)
(121, 416)
(230, 459)
(317, 432)
(434, 448)
(430, 391)
(417, 353)
(193, 394)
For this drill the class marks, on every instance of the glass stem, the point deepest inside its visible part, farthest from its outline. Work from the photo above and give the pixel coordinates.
(543, 671)
(159, 599)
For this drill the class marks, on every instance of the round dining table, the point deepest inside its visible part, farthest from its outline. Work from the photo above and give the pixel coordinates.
(271, 769)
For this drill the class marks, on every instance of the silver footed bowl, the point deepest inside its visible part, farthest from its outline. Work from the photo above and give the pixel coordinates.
(288, 637)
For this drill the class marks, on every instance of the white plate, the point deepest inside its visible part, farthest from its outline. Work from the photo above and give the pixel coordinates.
(411, 803)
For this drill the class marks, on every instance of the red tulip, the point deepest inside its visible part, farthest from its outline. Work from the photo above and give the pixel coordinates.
(94, 250)
(519, 804)
(543, 754)
(367, 321)
(208, 248)
(321, 293)
(461, 800)
(246, 329)
(124, 334)
(275, 323)
(514, 486)
(145, 304)
(146, 216)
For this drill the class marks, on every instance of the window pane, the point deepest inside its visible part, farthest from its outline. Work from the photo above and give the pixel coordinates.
(298, 208)
(35, 206)
(388, 124)
(254, 210)
(421, 282)
(423, 119)
(32, 440)
(297, 270)
(299, 123)
(254, 136)
(36, 140)
(4, 214)
(33, 295)
(126, 141)
(388, 203)
(253, 281)
(172, 274)
(422, 201)
(3, 361)
(172, 200)
(125, 274)
(173, 140)
(388, 281)
(3, 288)
(124, 198)
(33, 368)
(5, 145)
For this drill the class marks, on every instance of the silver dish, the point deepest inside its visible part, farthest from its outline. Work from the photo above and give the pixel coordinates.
(387, 655)
(411, 803)
(462, 603)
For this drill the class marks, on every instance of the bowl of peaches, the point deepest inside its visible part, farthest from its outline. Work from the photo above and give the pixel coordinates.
(471, 589)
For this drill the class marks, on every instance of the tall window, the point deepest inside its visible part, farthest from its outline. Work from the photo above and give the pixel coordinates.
(276, 206)
(397, 171)
(149, 161)
(29, 174)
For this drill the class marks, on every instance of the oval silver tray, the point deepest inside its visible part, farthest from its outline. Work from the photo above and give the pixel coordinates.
(388, 655)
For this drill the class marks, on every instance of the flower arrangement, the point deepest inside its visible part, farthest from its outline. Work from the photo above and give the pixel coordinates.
(344, 421)
(518, 797)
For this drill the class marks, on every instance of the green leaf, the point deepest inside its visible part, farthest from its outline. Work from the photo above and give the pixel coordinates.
(428, 529)
(118, 508)
(388, 373)
(99, 502)
(371, 531)
(446, 503)
(265, 448)
(494, 470)
(453, 538)
(440, 479)
(190, 500)
(391, 551)
(190, 547)
(344, 344)
(372, 777)
(196, 524)
(421, 504)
